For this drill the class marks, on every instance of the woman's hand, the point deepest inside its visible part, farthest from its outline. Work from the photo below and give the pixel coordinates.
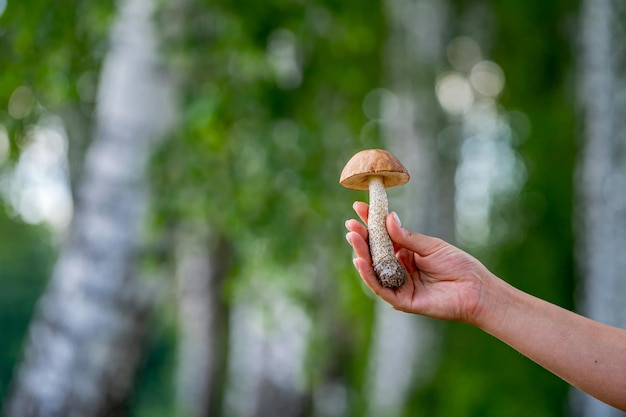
(447, 283)
(444, 282)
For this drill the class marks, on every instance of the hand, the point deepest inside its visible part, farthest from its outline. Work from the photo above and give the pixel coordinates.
(444, 282)
(447, 283)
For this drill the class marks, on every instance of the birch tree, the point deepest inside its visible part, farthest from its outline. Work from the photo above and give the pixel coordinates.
(602, 172)
(203, 259)
(403, 344)
(85, 342)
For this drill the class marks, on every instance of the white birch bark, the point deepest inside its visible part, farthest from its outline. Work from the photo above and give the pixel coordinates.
(203, 260)
(268, 345)
(85, 342)
(601, 184)
(404, 345)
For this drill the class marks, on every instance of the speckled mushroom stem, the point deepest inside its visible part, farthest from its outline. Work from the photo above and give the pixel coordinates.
(388, 269)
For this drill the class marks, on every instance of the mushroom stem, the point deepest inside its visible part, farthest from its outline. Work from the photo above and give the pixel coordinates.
(388, 269)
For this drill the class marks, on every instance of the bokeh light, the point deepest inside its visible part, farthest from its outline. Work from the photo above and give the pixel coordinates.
(282, 55)
(454, 93)
(21, 102)
(489, 167)
(38, 186)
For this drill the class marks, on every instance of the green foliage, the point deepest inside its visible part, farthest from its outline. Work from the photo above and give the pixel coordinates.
(25, 263)
(271, 110)
(54, 51)
(258, 152)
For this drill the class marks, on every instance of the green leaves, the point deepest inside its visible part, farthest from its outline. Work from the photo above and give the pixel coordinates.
(261, 154)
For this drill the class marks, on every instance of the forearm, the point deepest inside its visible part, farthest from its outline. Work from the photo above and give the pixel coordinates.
(589, 355)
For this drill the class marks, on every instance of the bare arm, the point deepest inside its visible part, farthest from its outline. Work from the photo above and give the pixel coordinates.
(589, 355)
(447, 283)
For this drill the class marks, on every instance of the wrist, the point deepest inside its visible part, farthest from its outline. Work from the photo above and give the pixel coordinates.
(495, 300)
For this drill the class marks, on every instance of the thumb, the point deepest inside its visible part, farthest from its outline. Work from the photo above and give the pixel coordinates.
(421, 244)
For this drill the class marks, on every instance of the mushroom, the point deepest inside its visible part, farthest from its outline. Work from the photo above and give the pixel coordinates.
(377, 169)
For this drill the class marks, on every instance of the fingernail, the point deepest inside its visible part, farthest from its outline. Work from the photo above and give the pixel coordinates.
(397, 219)
(355, 265)
(348, 238)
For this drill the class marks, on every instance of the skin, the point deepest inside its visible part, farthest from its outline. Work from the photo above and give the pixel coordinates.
(448, 284)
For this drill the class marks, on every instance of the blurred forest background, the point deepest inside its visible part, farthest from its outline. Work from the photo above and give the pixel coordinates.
(171, 223)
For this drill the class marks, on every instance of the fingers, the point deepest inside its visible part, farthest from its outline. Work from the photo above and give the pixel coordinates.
(360, 247)
(369, 278)
(357, 234)
(367, 274)
(407, 259)
(417, 242)
(357, 238)
(356, 226)
(362, 210)
(421, 244)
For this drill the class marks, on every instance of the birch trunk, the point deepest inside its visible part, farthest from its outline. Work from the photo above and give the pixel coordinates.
(203, 261)
(602, 173)
(403, 346)
(269, 343)
(85, 342)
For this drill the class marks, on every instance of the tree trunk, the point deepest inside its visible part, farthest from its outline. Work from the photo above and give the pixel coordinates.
(85, 342)
(403, 347)
(203, 261)
(602, 173)
(268, 347)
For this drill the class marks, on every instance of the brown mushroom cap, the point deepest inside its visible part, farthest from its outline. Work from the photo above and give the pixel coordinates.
(361, 166)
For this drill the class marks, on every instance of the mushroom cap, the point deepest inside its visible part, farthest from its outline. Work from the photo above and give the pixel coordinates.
(373, 162)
